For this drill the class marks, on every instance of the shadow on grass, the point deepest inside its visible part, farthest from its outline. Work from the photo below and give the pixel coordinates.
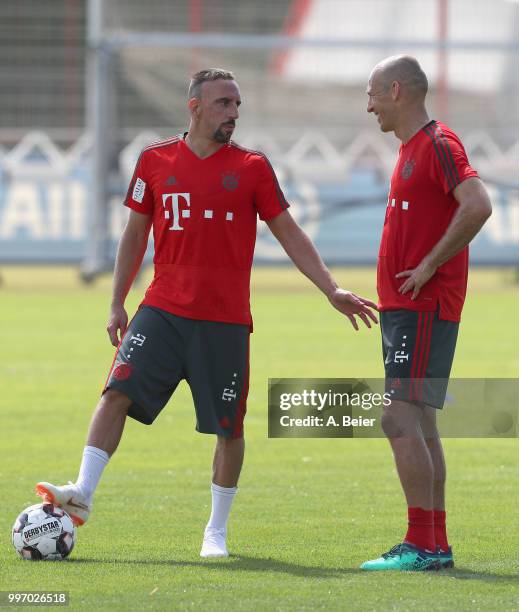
(468, 574)
(243, 563)
(240, 563)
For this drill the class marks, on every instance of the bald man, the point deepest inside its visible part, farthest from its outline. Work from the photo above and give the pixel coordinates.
(436, 205)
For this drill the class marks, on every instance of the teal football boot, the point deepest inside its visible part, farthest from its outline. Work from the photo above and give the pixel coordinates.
(445, 557)
(405, 557)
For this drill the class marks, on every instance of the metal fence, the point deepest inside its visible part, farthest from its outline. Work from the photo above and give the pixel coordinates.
(87, 84)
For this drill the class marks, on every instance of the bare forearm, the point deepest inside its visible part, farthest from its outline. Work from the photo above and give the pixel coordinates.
(474, 209)
(462, 229)
(302, 252)
(130, 254)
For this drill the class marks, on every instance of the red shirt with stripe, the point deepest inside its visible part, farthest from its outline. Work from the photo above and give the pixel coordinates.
(420, 208)
(204, 225)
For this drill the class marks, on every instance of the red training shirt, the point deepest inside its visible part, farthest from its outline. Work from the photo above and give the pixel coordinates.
(419, 209)
(204, 225)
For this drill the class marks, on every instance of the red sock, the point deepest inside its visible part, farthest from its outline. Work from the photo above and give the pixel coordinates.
(440, 531)
(421, 528)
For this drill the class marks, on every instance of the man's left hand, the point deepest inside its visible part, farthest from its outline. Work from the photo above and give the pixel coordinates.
(416, 278)
(350, 305)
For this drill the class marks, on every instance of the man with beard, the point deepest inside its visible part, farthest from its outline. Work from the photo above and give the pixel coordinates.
(201, 193)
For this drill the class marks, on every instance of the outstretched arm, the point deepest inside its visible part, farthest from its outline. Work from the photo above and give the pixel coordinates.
(303, 253)
(474, 208)
(130, 253)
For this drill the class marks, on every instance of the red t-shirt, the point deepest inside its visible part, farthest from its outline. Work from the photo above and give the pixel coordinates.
(204, 225)
(419, 209)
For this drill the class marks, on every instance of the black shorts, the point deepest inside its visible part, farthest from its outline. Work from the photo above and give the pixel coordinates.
(418, 350)
(159, 349)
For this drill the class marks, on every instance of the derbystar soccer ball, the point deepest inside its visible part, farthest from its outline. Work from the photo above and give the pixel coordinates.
(44, 531)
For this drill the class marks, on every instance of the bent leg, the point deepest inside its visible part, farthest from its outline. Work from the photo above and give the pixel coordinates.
(105, 432)
(107, 424)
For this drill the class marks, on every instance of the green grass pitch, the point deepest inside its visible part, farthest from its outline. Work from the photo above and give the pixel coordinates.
(308, 512)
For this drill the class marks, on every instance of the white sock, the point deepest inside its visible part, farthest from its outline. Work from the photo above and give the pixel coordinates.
(92, 466)
(222, 501)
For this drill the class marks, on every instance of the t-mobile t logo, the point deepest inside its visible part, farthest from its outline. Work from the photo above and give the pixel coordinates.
(173, 200)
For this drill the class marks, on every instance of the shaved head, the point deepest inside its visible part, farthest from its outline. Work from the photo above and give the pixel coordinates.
(404, 69)
(396, 91)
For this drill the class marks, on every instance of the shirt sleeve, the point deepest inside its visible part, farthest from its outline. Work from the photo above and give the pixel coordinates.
(269, 199)
(451, 166)
(139, 196)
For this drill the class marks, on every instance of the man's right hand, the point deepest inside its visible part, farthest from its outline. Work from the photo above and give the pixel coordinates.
(117, 322)
(350, 305)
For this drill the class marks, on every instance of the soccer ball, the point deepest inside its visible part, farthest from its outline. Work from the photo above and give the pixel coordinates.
(43, 531)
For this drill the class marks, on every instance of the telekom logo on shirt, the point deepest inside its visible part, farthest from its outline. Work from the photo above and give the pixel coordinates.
(173, 200)
(177, 206)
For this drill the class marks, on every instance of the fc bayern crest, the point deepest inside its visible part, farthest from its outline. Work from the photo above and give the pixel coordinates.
(408, 168)
(230, 181)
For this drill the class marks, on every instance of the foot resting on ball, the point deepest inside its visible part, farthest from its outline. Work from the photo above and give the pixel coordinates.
(214, 543)
(67, 497)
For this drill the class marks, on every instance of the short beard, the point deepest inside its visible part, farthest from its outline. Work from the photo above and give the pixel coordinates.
(222, 137)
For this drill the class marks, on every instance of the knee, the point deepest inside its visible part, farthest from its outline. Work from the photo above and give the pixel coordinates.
(391, 425)
(116, 401)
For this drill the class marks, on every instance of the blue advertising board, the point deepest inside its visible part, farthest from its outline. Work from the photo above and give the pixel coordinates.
(46, 219)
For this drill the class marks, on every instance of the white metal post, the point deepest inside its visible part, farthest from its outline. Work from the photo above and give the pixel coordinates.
(99, 130)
